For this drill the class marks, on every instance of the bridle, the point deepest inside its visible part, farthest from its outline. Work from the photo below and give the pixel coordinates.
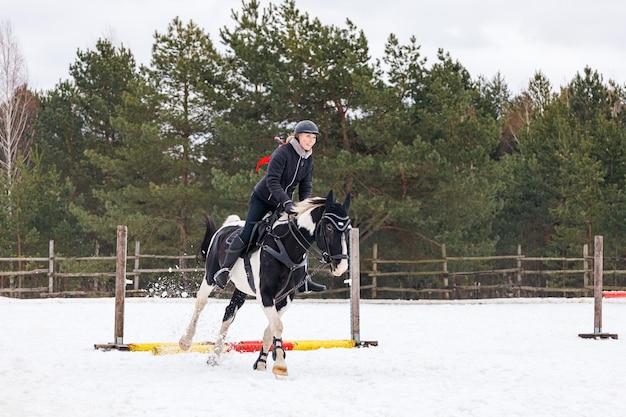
(341, 224)
(322, 247)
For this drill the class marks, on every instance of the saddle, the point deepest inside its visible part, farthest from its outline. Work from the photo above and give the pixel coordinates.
(260, 230)
(228, 233)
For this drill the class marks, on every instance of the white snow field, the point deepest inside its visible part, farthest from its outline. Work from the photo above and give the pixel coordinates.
(489, 358)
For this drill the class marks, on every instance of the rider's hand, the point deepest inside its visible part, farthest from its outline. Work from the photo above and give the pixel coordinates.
(289, 207)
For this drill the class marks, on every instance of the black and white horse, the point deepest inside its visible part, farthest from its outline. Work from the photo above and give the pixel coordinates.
(273, 271)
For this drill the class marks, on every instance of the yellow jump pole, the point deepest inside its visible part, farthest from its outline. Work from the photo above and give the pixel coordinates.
(246, 346)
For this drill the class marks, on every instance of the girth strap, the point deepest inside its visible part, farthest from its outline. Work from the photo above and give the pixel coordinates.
(282, 255)
(248, 267)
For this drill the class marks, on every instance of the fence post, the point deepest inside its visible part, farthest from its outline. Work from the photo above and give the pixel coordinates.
(136, 276)
(51, 266)
(519, 264)
(598, 265)
(374, 270)
(585, 265)
(120, 284)
(597, 282)
(355, 286)
(96, 253)
(519, 273)
(445, 268)
(182, 264)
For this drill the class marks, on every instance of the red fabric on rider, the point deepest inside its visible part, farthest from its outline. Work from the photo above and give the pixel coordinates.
(266, 159)
(263, 161)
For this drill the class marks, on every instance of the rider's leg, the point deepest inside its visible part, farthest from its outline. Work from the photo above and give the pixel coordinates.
(257, 209)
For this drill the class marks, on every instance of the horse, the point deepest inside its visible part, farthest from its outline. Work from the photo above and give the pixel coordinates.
(273, 269)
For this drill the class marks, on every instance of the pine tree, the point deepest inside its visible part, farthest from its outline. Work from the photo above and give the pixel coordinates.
(185, 75)
(76, 125)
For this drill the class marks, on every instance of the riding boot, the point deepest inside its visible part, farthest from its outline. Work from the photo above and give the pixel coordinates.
(234, 250)
(311, 286)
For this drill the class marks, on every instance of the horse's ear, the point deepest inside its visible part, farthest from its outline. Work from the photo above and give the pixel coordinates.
(346, 203)
(330, 199)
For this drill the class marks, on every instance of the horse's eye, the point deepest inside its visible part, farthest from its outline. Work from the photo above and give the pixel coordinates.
(329, 227)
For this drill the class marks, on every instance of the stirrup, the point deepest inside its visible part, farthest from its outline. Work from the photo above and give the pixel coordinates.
(221, 277)
(310, 286)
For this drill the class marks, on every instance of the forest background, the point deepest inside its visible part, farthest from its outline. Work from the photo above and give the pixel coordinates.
(431, 154)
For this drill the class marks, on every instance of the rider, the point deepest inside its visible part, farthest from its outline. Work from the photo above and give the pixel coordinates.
(291, 164)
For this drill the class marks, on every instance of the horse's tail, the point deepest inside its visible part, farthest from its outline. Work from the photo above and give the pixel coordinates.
(206, 241)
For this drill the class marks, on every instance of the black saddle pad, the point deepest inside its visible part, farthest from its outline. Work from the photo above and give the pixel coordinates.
(261, 228)
(226, 235)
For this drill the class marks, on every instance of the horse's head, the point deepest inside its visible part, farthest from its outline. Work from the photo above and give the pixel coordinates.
(331, 231)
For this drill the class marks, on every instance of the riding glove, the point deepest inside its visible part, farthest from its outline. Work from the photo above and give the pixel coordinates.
(289, 207)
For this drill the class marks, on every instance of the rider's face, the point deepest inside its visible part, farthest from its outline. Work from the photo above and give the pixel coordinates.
(307, 140)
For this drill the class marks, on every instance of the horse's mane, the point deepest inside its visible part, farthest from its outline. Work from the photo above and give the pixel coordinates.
(303, 206)
(309, 203)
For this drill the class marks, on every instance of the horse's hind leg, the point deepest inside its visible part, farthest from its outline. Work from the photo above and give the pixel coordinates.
(201, 300)
(235, 304)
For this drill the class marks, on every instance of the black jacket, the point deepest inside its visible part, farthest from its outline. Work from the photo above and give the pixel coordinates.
(286, 170)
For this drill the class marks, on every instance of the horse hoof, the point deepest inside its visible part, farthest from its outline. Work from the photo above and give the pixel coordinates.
(279, 370)
(184, 343)
(260, 366)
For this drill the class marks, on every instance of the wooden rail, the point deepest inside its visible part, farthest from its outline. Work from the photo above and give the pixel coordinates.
(438, 273)
(53, 261)
(444, 279)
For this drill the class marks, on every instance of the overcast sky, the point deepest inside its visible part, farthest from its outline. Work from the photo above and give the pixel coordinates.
(513, 37)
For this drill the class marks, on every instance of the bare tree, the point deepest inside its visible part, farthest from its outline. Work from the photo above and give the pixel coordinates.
(16, 104)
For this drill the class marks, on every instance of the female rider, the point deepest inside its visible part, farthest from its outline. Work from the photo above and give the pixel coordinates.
(291, 165)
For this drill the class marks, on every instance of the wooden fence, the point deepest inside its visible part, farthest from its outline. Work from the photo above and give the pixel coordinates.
(381, 278)
(55, 277)
(438, 278)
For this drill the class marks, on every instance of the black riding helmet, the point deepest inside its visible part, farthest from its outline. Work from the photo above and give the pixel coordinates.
(306, 126)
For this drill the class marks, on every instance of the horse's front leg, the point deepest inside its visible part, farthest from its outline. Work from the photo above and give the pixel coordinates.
(261, 362)
(235, 304)
(274, 314)
(201, 300)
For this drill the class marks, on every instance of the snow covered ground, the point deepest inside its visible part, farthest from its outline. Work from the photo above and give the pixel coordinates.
(490, 358)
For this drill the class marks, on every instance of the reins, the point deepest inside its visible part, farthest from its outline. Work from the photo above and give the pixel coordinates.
(323, 255)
